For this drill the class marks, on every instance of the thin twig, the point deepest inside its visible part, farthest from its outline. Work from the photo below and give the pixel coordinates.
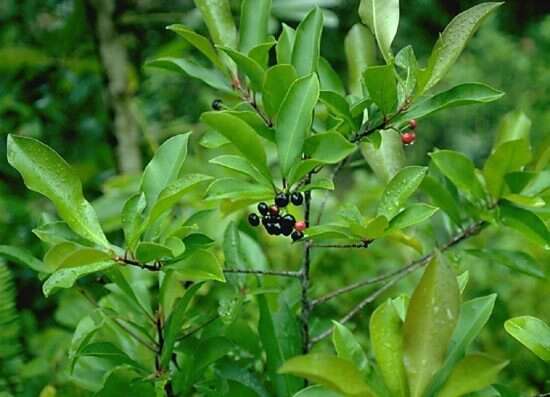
(305, 274)
(155, 267)
(362, 244)
(283, 273)
(199, 327)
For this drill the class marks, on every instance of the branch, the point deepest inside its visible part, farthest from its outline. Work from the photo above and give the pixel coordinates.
(199, 327)
(155, 267)
(362, 244)
(283, 273)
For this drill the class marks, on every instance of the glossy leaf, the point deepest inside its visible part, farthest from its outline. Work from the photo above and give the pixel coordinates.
(338, 106)
(242, 136)
(317, 391)
(431, 319)
(278, 80)
(69, 254)
(65, 278)
(328, 148)
(382, 87)
(382, 17)
(413, 215)
(525, 222)
(451, 42)
(256, 122)
(57, 232)
(348, 347)
(260, 53)
(200, 42)
(218, 18)
(386, 336)
(514, 126)
(387, 158)
(232, 188)
(517, 261)
(307, 45)
(241, 165)
(253, 23)
(132, 218)
(442, 198)
(399, 189)
(474, 372)
(294, 122)
(333, 372)
(460, 95)
(45, 172)
(460, 170)
(284, 45)
(148, 251)
(531, 332)
(252, 69)
(300, 169)
(202, 265)
(23, 257)
(360, 48)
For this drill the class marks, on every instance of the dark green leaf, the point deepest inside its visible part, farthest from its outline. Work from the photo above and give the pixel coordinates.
(307, 45)
(217, 15)
(399, 189)
(241, 165)
(525, 222)
(328, 148)
(278, 80)
(253, 23)
(285, 45)
(23, 257)
(328, 78)
(200, 42)
(348, 347)
(65, 278)
(442, 198)
(108, 351)
(147, 251)
(516, 260)
(132, 218)
(382, 86)
(338, 105)
(413, 215)
(248, 66)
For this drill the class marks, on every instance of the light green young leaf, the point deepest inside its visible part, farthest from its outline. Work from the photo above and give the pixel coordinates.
(387, 344)
(333, 372)
(202, 265)
(382, 17)
(278, 80)
(132, 218)
(57, 232)
(200, 42)
(525, 222)
(260, 53)
(253, 23)
(376, 227)
(431, 319)
(242, 136)
(147, 251)
(451, 43)
(382, 87)
(284, 45)
(23, 257)
(45, 172)
(460, 95)
(388, 158)
(399, 189)
(514, 126)
(475, 372)
(442, 198)
(531, 332)
(237, 189)
(252, 69)
(217, 16)
(474, 314)
(317, 391)
(241, 165)
(68, 254)
(462, 280)
(328, 148)
(164, 168)
(294, 122)
(337, 104)
(360, 50)
(525, 201)
(328, 78)
(461, 171)
(413, 215)
(407, 65)
(307, 44)
(256, 122)
(349, 348)
(65, 278)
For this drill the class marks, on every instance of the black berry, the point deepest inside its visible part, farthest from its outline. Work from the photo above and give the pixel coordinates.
(277, 229)
(263, 208)
(289, 220)
(253, 219)
(217, 104)
(265, 220)
(286, 228)
(296, 198)
(281, 200)
(297, 236)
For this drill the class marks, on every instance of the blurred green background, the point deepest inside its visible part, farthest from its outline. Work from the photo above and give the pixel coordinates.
(57, 84)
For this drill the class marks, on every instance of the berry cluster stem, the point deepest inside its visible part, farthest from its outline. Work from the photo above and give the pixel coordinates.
(305, 274)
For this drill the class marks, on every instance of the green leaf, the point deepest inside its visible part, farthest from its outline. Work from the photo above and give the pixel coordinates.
(474, 314)
(300, 169)
(260, 53)
(516, 260)
(253, 23)
(508, 157)
(473, 373)
(164, 168)
(387, 344)
(132, 218)
(328, 78)
(252, 69)
(147, 251)
(284, 45)
(360, 51)
(348, 347)
(200, 42)
(217, 16)
(399, 189)
(460, 95)
(382, 17)
(413, 215)
(65, 278)
(387, 158)
(241, 165)
(333, 372)
(328, 231)
(525, 201)
(307, 45)
(382, 87)
(376, 227)
(69, 254)
(278, 80)
(23, 257)
(405, 61)
(317, 391)
(328, 147)
(211, 77)
(525, 222)
(461, 171)
(337, 105)
(45, 172)
(58, 232)
(442, 198)
(202, 265)
(513, 126)
(451, 43)
(242, 136)
(108, 351)
(256, 122)
(318, 184)
(237, 189)
(281, 340)
(431, 319)
(531, 332)
(294, 122)
(175, 323)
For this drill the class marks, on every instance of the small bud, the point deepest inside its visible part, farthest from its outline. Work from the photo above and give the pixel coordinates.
(412, 123)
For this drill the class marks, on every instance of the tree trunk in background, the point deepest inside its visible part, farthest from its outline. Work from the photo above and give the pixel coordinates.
(114, 58)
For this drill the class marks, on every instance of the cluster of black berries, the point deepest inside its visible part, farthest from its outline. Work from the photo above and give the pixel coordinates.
(277, 223)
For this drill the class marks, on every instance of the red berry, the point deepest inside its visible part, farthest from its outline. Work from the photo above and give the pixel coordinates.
(300, 226)
(274, 210)
(408, 137)
(412, 123)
